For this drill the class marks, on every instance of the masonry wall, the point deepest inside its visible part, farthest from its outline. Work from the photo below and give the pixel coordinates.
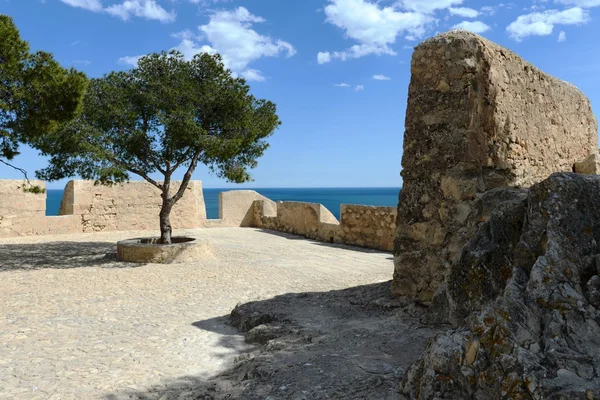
(363, 226)
(94, 208)
(478, 118)
(21, 211)
(130, 206)
(87, 208)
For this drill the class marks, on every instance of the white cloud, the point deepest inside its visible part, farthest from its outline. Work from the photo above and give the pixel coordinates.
(428, 6)
(207, 3)
(359, 88)
(188, 47)
(492, 10)
(230, 34)
(252, 75)
(374, 27)
(580, 3)
(92, 5)
(464, 12)
(323, 58)
(130, 60)
(381, 78)
(472, 26)
(488, 10)
(148, 9)
(343, 84)
(542, 23)
(562, 36)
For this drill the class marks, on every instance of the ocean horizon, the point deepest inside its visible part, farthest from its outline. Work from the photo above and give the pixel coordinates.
(331, 198)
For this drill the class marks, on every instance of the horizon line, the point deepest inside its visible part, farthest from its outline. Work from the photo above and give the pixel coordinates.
(288, 187)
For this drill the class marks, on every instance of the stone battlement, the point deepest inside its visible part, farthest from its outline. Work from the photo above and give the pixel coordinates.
(87, 208)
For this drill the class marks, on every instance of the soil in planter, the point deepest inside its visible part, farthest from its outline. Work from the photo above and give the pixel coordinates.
(174, 240)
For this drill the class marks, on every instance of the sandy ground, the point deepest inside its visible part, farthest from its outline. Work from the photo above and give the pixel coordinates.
(76, 324)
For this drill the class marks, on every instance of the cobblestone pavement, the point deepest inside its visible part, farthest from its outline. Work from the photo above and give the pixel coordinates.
(76, 324)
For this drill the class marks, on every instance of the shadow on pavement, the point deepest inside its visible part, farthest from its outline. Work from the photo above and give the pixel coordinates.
(60, 255)
(354, 343)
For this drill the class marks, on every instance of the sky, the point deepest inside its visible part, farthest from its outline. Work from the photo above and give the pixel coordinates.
(338, 70)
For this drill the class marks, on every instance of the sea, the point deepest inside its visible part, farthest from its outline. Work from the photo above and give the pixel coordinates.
(331, 198)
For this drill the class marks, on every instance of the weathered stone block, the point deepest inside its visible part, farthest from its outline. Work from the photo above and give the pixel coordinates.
(479, 117)
(236, 207)
(589, 166)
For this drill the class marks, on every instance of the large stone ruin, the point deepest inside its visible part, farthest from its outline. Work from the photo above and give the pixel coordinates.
(478, 118)
(495, 231)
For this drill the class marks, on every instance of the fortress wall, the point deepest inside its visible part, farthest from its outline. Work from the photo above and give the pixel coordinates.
(363, 226)
(368, 226)
(478, 118)
(21, 211)
(236, 207)
(135, 206)
(94, 208)
(130, 206)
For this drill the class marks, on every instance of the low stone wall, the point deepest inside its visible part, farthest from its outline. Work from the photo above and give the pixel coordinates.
(132, 206)
(21, 211)
(236, 207)
(94, 208)
(364, 226)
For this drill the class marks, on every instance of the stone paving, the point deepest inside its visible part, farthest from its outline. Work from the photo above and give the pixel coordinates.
(77, 324)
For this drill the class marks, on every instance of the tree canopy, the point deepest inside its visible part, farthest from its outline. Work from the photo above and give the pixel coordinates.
(164, 114)
(36, 93)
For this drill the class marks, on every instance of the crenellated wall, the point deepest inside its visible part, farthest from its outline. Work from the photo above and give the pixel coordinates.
(132, 206)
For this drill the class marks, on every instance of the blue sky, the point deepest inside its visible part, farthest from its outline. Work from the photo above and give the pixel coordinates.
(338, 70)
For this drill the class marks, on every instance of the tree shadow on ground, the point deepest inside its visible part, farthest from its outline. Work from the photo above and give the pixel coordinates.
(354, 343)
(291, 236)
(60, 255)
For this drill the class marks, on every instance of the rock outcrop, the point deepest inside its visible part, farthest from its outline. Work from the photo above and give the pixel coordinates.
(478, 118)
(526, 295)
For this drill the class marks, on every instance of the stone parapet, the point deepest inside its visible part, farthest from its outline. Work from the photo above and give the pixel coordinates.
(363, 226)
(86, 207)
(135, 206)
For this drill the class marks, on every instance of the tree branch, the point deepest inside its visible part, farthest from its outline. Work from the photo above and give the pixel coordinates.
(186, 178)
(183, 159)
(21, 170)
(134, 170)
(142, 174)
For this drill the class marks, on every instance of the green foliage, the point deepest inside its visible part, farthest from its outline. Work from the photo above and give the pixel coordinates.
(162, 115)
(34, 189)
(36, 93)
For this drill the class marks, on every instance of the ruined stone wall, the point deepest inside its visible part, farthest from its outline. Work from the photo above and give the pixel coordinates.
(363, 226)
(236, 207)
(20, 211)
(93, 208)
(130, 206)
(478, 118)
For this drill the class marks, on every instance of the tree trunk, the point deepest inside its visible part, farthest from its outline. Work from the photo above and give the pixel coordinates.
(165, 221)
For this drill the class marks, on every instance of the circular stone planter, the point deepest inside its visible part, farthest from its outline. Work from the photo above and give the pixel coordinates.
(147, 250)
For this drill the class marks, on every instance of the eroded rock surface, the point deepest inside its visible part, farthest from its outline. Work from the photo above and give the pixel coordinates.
(349, 344)
(527, 295)
(479, 117)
